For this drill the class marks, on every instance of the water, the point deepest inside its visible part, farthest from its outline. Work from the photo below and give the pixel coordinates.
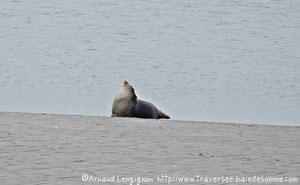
(229, 61)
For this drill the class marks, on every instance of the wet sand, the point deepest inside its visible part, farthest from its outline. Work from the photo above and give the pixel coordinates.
(59, 149)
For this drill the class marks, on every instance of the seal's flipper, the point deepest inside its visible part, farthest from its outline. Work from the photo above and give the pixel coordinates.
(163, 115)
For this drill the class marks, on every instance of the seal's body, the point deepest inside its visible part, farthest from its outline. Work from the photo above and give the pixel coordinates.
(126, 104)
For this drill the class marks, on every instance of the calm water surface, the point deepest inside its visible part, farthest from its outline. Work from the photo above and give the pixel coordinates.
(230, 61)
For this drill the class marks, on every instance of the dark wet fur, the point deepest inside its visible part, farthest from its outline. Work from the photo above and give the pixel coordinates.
(144, 109)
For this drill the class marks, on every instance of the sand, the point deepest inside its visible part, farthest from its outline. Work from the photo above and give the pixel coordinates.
(60, 149)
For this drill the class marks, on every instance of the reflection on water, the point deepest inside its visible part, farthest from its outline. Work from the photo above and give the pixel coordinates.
(216, 60)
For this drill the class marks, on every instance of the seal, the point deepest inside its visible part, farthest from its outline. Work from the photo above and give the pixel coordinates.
(126, 104)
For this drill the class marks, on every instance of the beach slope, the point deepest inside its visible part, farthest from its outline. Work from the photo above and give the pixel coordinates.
(60, 149)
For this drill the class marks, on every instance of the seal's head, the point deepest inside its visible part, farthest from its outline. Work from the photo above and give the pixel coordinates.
(127, 89)
(125, 101)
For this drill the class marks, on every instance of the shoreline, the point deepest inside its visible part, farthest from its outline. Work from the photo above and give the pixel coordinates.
(67, 149)
(170, 120)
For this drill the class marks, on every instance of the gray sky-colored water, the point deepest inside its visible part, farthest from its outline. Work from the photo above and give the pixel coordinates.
(229, 61)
